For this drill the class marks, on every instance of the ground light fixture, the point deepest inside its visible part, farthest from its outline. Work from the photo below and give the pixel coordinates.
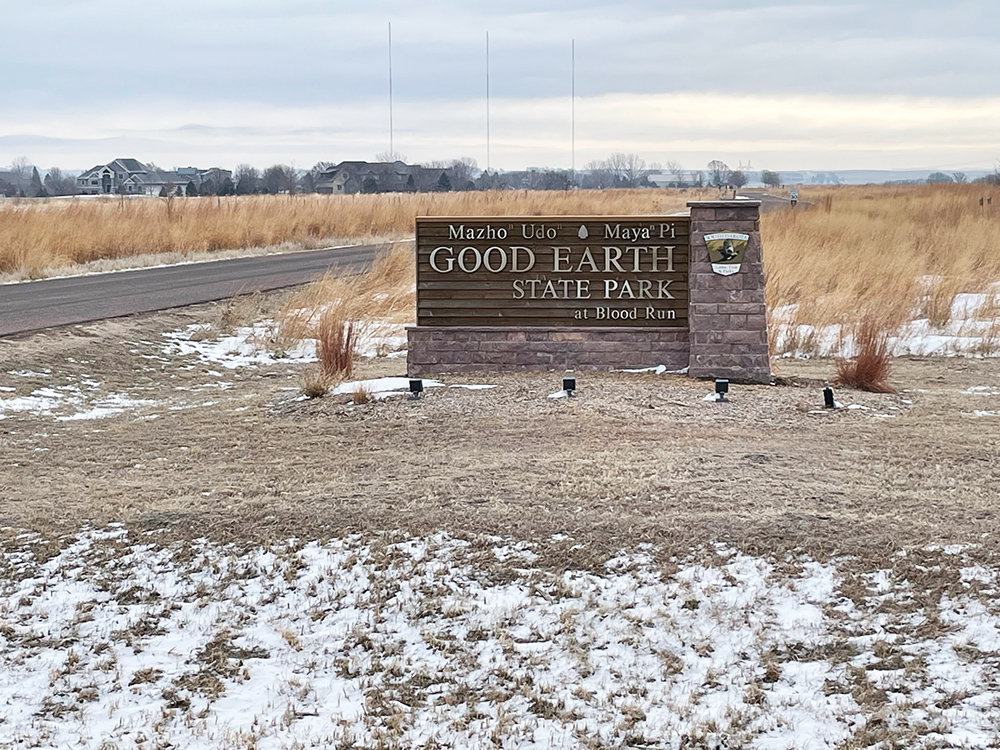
(721, 389)
(828, 401)
(416, 388)
(569, 385)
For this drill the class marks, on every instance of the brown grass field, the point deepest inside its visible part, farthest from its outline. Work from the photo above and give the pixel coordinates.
(882, 252)
(898, 490)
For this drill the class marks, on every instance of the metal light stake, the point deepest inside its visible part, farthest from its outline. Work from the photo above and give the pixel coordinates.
(721, 389)
(828, 401)
(569, 385)
(416, 388)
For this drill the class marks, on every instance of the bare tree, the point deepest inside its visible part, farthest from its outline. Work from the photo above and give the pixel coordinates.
(737, 179)
(246, 179)
(279, 178)
(390, 156)
(718, 173)
(20, 174)
(463, 172)
(634, 170)
(616, 165)
(601, 176)
(675, 169)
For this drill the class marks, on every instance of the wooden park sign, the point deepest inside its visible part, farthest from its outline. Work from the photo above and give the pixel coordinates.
(568, 292)
(553, 271)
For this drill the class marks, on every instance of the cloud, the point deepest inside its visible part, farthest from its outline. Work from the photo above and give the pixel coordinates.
(798, 75)
(776, 131)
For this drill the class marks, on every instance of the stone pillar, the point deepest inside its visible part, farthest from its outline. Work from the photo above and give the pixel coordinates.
(728, 315)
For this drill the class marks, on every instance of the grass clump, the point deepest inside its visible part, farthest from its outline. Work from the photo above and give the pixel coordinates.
(869, 369)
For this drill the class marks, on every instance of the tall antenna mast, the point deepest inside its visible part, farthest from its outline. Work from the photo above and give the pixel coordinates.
(487, 102)
(572, 166)
(392, 150)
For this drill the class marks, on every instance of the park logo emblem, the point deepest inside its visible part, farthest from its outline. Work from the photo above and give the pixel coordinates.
(726, 251)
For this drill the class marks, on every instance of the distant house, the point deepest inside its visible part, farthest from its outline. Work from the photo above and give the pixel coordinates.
(132, 177)
(681, 178)
(381, 177)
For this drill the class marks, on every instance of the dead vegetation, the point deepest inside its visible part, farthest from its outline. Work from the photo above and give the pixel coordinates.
(37, 235)
(897, 253)
(868, 369)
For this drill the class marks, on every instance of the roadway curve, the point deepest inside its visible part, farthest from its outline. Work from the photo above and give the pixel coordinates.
(34, 305)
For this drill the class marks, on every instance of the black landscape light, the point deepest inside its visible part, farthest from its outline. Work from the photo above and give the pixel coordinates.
(721, 389)
(416, 388)
(569, 385)
(828, 401)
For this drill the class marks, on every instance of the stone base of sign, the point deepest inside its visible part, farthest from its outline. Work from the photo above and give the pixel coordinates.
(727, 319)
(436, 350)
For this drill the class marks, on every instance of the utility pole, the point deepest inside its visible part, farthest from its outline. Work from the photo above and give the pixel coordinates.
(392, 150)
(487, 102)
(572, 164)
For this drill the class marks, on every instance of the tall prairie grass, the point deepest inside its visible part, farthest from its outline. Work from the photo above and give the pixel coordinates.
(36, 235)
(888, 254)
(885, 253)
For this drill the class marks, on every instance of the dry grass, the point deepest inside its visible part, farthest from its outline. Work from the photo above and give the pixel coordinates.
(899, 252)
(335, 345)
(344, 312)
(362, 394)
(35, 235)
(869, 369)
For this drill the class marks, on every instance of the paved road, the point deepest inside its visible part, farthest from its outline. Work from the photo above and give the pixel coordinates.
(35, 305)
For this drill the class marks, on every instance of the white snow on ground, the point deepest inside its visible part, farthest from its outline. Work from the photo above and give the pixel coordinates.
(85, 400)
(380, 388)
(262, 344)
(247, 347)
(433, 642)
(965, 333)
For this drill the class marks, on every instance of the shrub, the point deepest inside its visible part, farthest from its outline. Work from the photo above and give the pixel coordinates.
(335, 345)
(869, 369)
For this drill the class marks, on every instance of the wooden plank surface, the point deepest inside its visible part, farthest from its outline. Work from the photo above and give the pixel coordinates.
(553, 271)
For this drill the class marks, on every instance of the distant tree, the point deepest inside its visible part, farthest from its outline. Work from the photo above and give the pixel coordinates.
(279, 178)
(307, 183)
(633, 170)
(246, 179)
(490, 181)
(554, 179)
(20, 174)
(601, 176)
(463, 171)
(737, 179)
(389, 157)
(227, 187)
(676, 171)
(57, 183)
(191, 191)
(36, 188)
(411, 185)
(443, 183)
(938, 177)
(718, 173)
(769, 178)
(960, 177)
(989, 179)
(369, 185)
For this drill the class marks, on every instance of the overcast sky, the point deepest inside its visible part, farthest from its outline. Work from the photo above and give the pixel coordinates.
(784, 85)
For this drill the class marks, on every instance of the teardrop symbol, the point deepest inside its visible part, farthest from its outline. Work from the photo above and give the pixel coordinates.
(583, 233)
